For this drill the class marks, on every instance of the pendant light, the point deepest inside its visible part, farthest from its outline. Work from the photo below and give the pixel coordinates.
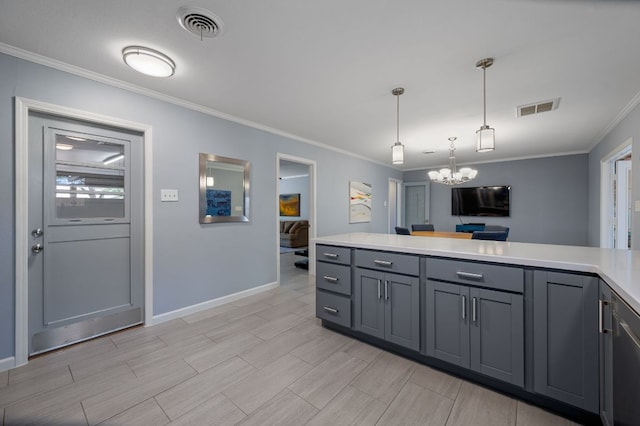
(397, 150)
(486, 136)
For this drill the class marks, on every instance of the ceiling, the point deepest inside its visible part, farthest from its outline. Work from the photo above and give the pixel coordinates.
(323, 71)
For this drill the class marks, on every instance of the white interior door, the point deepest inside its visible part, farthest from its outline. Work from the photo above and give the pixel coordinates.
(416, 201)
(85, 274)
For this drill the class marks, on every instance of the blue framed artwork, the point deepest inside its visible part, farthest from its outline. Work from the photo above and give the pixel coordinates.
(218, 202)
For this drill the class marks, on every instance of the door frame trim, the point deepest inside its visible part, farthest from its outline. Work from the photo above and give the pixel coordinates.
(312, 164)
(23, 107)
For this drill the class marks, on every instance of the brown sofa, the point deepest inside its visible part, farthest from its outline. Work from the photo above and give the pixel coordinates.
(294, 233)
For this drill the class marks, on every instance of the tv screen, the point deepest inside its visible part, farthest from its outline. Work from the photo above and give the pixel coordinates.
(480, 201)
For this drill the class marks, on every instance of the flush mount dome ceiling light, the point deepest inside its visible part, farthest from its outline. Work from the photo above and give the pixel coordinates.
(148, 61)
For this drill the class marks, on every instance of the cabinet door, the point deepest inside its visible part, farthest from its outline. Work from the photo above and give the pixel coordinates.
(402, 310)
(497, 334)
(448, 322)
(606, 356)
(565, 317)
(369, 302)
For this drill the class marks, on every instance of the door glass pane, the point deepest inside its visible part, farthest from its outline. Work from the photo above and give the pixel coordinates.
(90, 178)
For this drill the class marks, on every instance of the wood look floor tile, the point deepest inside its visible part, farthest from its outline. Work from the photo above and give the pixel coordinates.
(33, 385)
(154, 361)
(437, 381)
(68, 416)
(361, 350)
(264, 384)
(279, 311)
(276, 326)
(350, 407)
(4, 378)
(243, 311)
(267, 352)
(320, 348)
(147, 413)
(325, 381)
(479, 406)
(285, 409)
(51, 403)
(143, 332)
(188, 395)
(208, 313)
(218, 411)
(219, 352)
(309, 299)
(87, 367)
(528, 415)
(118, 399)
(177, 337)
(416, 405)
(384, 378)
(240, 325)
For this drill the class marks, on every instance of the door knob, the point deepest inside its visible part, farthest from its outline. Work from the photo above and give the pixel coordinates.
(37, 232)
(37, 248)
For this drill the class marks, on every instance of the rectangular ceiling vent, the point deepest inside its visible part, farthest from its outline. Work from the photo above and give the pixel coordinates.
(538, 107)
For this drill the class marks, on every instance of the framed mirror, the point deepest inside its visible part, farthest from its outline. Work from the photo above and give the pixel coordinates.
(224, 189)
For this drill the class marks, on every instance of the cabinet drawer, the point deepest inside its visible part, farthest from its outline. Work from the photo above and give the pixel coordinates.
(384, 261)
(333, 254)
(509, 278)
(334, 308)
(332, 277)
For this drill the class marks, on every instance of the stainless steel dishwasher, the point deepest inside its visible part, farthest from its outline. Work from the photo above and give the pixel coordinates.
(626, 364)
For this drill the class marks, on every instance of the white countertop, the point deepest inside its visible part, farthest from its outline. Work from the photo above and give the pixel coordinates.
(620, 269)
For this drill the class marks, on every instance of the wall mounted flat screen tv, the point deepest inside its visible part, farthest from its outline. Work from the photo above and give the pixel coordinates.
(481, 201)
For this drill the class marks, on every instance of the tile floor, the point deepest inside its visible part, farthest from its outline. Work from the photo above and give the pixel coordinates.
(262, 360)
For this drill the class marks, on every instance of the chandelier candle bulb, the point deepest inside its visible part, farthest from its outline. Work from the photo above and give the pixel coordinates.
(450, 175)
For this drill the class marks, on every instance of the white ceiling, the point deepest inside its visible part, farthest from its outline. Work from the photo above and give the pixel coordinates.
(324, 70)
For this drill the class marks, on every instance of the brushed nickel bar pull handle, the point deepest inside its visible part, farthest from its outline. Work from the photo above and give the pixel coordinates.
(386, 290)
(464, 307)
(601, 305)
(379, 289)
(469, 275)
(330, 255)
(328, 309)
(332, 279)
(382, 262)
(474, 309)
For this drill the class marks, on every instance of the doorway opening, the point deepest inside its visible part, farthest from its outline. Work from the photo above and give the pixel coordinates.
(416, 203)
(394, 212)
(296, 213)
(616, 198)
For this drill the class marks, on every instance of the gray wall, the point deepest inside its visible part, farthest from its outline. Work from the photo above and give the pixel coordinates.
(627, 128)
(193, 263)
(297, 185)
(548, 199)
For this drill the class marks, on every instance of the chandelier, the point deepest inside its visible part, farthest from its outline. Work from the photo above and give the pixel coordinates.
(451, 175)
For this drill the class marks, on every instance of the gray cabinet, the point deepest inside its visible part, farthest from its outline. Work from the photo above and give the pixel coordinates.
(476, 328)
(565, 340)
(605, 327)
(333, 284)
(387, 306)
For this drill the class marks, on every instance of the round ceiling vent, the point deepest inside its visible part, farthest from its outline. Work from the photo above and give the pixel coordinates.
(199, 22)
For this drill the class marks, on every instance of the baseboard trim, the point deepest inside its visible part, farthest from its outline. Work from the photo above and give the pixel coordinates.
(7, 363)
(178, 313)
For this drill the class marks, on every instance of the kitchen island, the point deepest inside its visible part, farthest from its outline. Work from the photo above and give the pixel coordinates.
(525, 319)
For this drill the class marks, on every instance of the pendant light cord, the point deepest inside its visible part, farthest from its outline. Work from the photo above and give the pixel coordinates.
(484, 93)
(398, 118)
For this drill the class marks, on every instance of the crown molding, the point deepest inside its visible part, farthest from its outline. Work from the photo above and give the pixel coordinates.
(101, 78)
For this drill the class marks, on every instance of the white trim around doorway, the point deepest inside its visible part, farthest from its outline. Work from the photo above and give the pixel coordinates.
(606, 194)
(312, 208)
(23, 107)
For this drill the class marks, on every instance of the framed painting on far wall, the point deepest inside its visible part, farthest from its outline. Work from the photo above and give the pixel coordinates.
(289, 204)
(359, 202)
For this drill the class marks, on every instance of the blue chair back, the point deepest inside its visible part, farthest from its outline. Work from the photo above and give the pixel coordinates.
(422, 227)
(497, 228)
(489, 235)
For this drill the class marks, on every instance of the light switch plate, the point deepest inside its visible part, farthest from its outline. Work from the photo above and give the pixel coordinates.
(169, 195)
